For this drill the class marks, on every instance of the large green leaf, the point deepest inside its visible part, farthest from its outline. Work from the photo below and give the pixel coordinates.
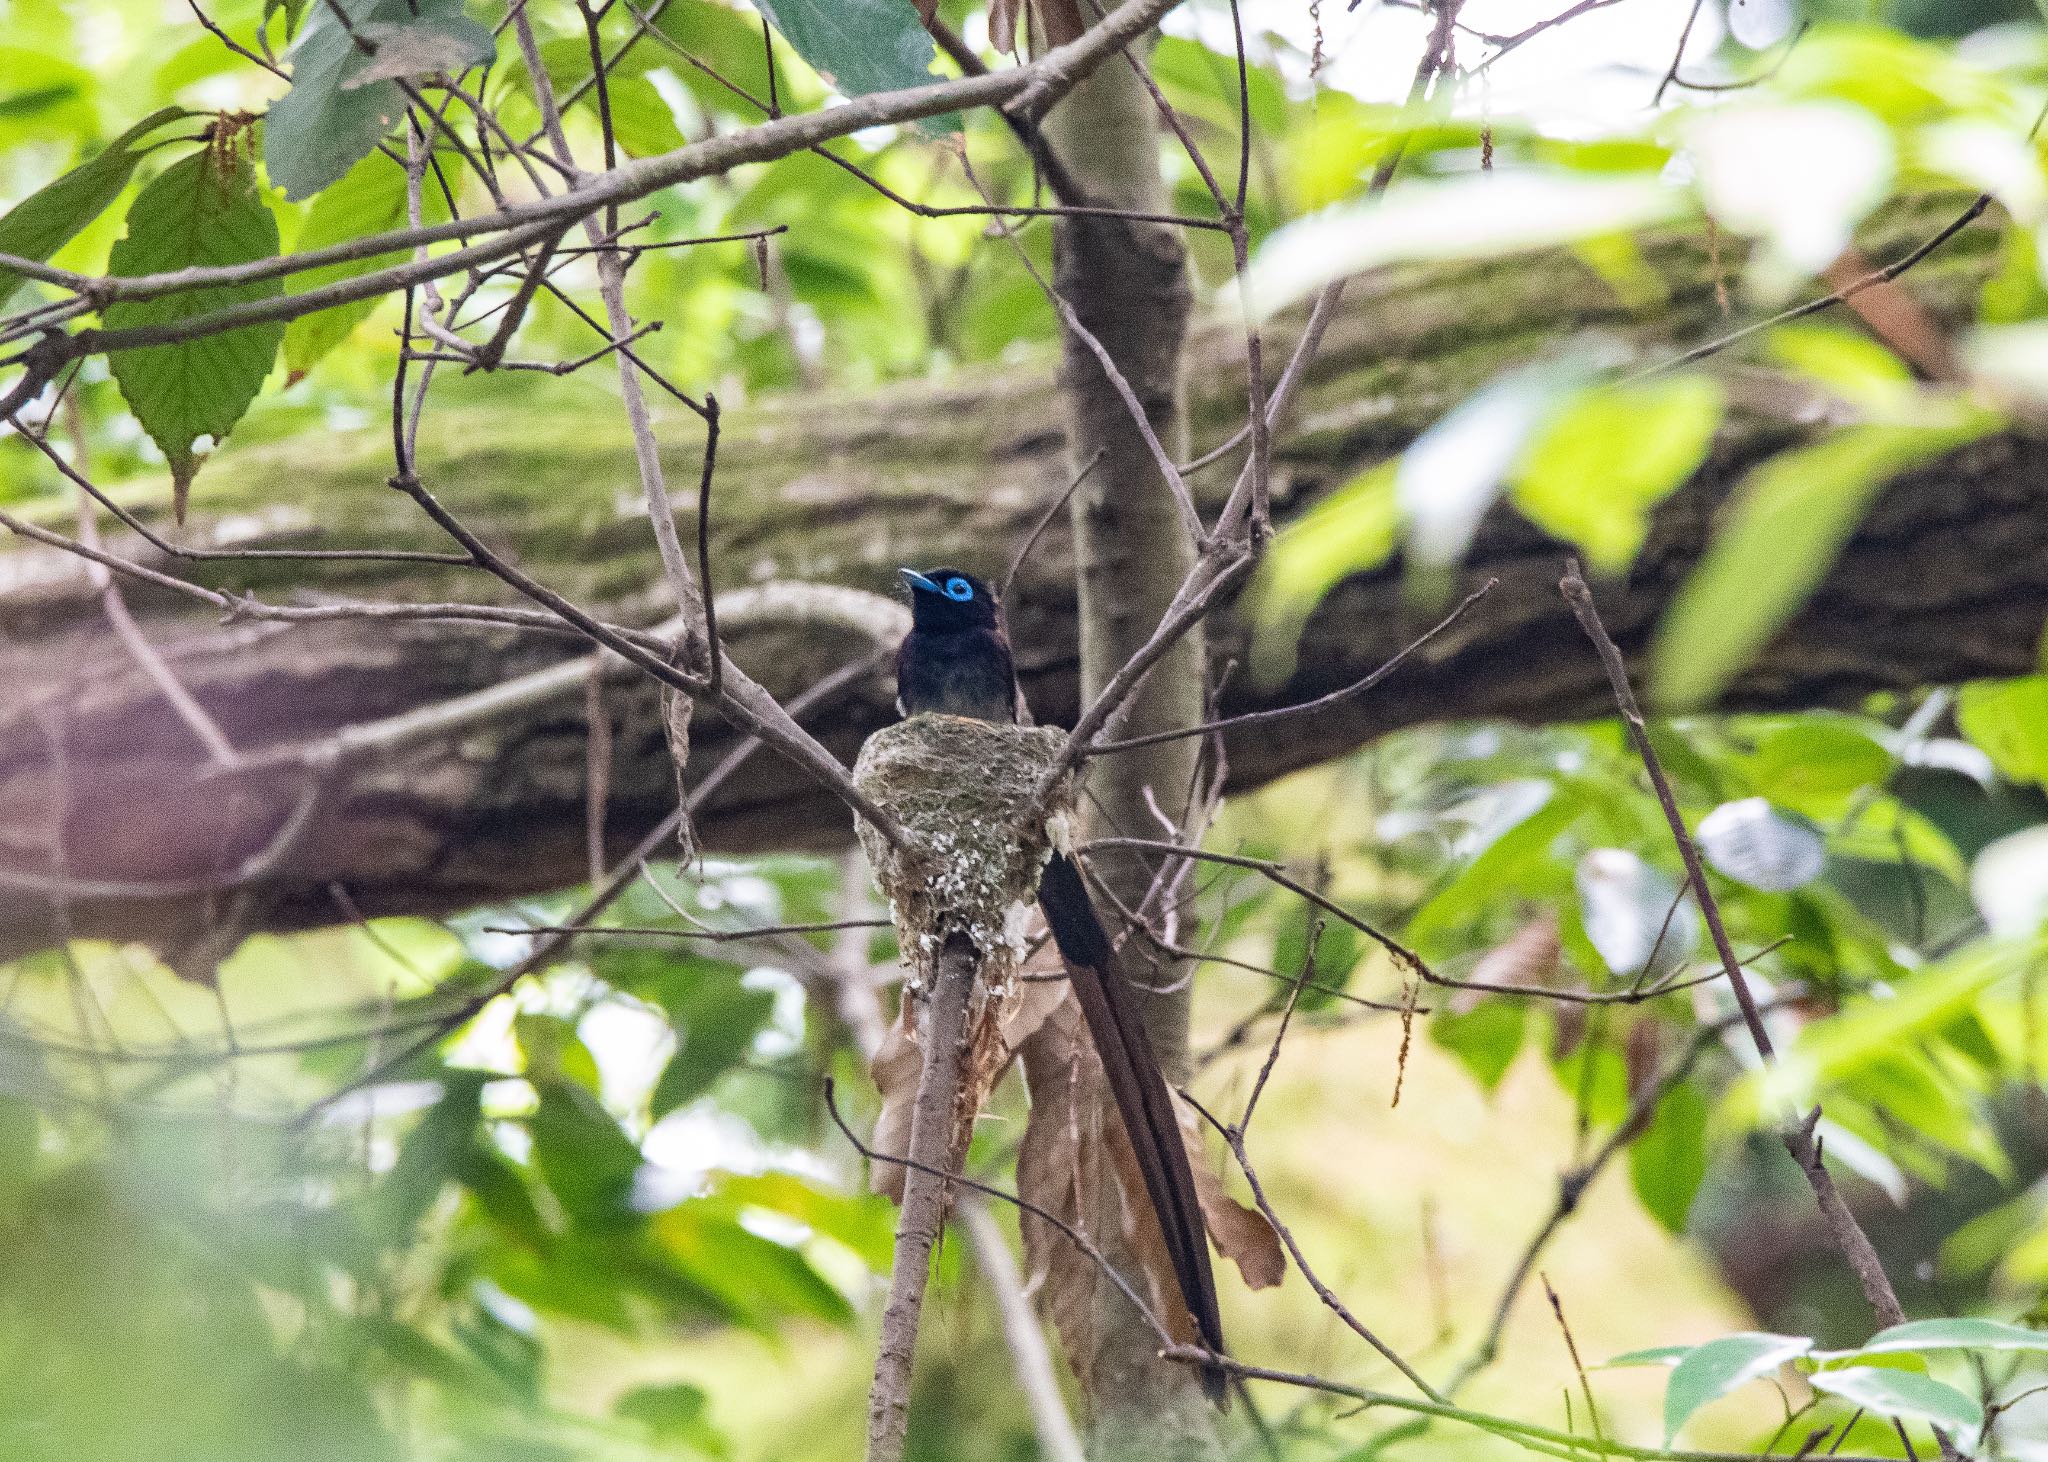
(370, 199)
(202, 211)
(1966, 1333)
(429, 1157)
(586, 1157)
(1668, 1162)
(1870, 1031)
(860, 46)
(759, 1278)
(1788, 520)
(1473, 217)
(717, 1019)
(2008, 720)
(1486, 1038)
(1906, 1395)
(344, 100)
(52, 216)
(1709, 1372)
(1597, 468)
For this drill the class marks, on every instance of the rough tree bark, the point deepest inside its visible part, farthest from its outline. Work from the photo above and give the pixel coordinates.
(107, 825)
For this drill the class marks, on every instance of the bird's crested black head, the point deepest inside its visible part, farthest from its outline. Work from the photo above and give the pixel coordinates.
(950, 599)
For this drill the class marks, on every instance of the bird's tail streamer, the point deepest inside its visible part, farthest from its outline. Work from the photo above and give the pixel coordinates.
(1142, 1098)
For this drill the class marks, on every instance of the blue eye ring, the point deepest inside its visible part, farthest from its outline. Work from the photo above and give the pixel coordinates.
(959, 589)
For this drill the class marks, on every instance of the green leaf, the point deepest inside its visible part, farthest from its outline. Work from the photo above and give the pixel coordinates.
(1816, 764)
(1337, 955)
(205, 211)
(679, 1414)
(586, 1157)
(499, 1187)
(863, 1222)
(1348, 532)
(553, 1050)
(1712, 1370)
(1486, 1038)
(2008, 721)
(1592, 474)
(1450, 475)
(861, 46)
(341, 105)
(53, 215)
(1906, 1395)
(429, 1157)
(1869, 1031)
(1786, 523)
(757, 1277)
(1888, 831)
(1850, 366)
(1474, 217)
(1656, 1355)
(717, 1019)
(293, 10)
(1966, 1333)
(1668, 1162)
(370, 199)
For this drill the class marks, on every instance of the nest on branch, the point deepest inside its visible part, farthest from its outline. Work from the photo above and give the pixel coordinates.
(976, 838)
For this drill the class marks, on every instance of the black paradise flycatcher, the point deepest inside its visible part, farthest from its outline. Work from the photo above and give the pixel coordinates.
(956, 661)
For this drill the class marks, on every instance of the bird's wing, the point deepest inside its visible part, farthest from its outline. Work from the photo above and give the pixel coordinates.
(1142, 1098)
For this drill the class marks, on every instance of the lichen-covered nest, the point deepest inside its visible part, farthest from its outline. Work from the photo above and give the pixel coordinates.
(966, 795)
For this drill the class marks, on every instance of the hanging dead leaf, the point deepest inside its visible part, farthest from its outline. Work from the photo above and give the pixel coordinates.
(1895, 316)
(1529, 956)
(1240, 1234)
(1076, 1163)
(1058, 1171)
(1050, 23)
(895, 1068)
(676, 709)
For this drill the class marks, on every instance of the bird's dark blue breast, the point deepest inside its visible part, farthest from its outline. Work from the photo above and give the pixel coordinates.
(964, 672)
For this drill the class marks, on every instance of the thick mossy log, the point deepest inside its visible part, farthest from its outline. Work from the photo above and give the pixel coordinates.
(111, 822)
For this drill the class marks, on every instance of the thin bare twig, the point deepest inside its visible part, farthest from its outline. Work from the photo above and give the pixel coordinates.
(1842, 1226)
(1304, 708)
(1849, 291)
(1045, 521)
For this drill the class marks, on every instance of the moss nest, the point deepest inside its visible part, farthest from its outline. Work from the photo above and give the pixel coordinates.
(966, 795)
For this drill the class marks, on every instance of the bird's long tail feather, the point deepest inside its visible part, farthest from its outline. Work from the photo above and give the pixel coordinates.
(1142, 1098)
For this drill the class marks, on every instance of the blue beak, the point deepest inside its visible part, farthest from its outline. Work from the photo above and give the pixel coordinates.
(917, 581)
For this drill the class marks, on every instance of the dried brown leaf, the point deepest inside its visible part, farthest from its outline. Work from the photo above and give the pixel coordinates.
(1895, 317)
(1240, 1234)
(1002, 24)
(1077, 1163)
(1529, 956)
(895, 1068)
(1058, 1171)
(1057, 21)
(676, 709)
(1050, 23)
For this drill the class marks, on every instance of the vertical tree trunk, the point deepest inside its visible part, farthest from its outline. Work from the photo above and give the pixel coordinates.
(1127, 283)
